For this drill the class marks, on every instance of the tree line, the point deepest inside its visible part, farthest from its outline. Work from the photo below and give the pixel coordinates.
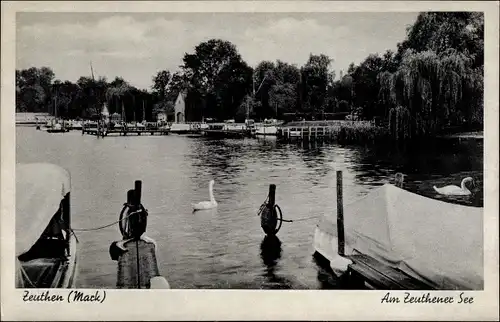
(433, 81)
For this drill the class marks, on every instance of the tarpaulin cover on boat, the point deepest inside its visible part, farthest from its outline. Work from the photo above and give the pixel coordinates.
(40, 188)
(434, 241)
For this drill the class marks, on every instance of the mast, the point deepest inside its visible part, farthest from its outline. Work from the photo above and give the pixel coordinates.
(143, 111)
(55, 106)
(253, 93)
(248, 112)
(123, 113)
(253, 83)
(93, 83)
(301, 91)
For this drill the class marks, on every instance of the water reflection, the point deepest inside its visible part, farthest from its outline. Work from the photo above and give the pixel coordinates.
(270, 253)
(326, 276)
(437, 162)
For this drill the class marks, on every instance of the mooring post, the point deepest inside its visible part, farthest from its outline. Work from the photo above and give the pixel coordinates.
(268, 217)
(130, 197)
(136, 256)
(138, 191)
(340, 216)
(272, 195)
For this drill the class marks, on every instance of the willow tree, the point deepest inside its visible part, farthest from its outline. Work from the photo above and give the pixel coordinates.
(118, 92)
(429, 90)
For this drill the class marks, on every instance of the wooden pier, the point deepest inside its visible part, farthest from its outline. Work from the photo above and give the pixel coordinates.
(314, 130)
(230, 134)
(223, 130)
(123, 131)
(367, 272)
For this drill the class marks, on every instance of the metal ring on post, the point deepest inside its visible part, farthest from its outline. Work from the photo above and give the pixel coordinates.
(280, 218)
(123, 223)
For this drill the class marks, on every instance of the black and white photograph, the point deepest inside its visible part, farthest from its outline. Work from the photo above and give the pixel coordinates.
(251, 151)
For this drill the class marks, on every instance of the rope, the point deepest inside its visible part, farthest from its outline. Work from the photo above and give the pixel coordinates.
(263, 206)
(302, 219)
(280, 219)
(108, 225)
(261, 209)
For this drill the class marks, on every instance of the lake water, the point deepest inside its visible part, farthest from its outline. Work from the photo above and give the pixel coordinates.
(225, 248)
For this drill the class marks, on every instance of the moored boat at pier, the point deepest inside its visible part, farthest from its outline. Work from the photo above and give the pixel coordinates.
(397, 235)
(46, 247)
(57, 128)
(267, 128)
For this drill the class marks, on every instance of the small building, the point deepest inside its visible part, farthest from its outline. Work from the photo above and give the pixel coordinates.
(115, 118)
(161, 117)
(180, 108)
(105, 112)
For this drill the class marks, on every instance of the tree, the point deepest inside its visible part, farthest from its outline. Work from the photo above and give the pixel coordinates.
(431, 87)
(160, 84)
(315, 80)
(365, 86)
(33, 89)
(117, 91)
(91, 95)
(263, 80)
(178, 83)
(276, 89)
(67, 98)
(217, 73)
(282, 99)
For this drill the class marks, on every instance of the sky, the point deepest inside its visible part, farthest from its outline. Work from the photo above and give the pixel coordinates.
(136, 46)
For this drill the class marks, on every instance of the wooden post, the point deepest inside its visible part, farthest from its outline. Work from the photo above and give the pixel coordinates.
(130, 197)
(138, 191)
(340, 216)
(272, 195)
(269, 218)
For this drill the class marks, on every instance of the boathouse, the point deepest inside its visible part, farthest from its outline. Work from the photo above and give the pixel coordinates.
(180, 108)
(105, 112)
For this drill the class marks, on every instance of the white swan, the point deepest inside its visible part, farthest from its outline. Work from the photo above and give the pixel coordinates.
(453, 190)
(207, 204)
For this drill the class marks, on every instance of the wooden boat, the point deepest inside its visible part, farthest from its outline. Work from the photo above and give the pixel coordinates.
(46, 247)
(398, 239)
(57, 128)
(76, 125)
(267, 128)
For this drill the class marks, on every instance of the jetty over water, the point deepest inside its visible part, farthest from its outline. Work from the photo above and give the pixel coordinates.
(229, 130)
(148, 129)
(316, 130)
(32, 119)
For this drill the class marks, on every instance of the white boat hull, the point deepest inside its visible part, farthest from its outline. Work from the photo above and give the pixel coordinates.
(267, 130)
(401, 230)
(325, 243)
(71, 274)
